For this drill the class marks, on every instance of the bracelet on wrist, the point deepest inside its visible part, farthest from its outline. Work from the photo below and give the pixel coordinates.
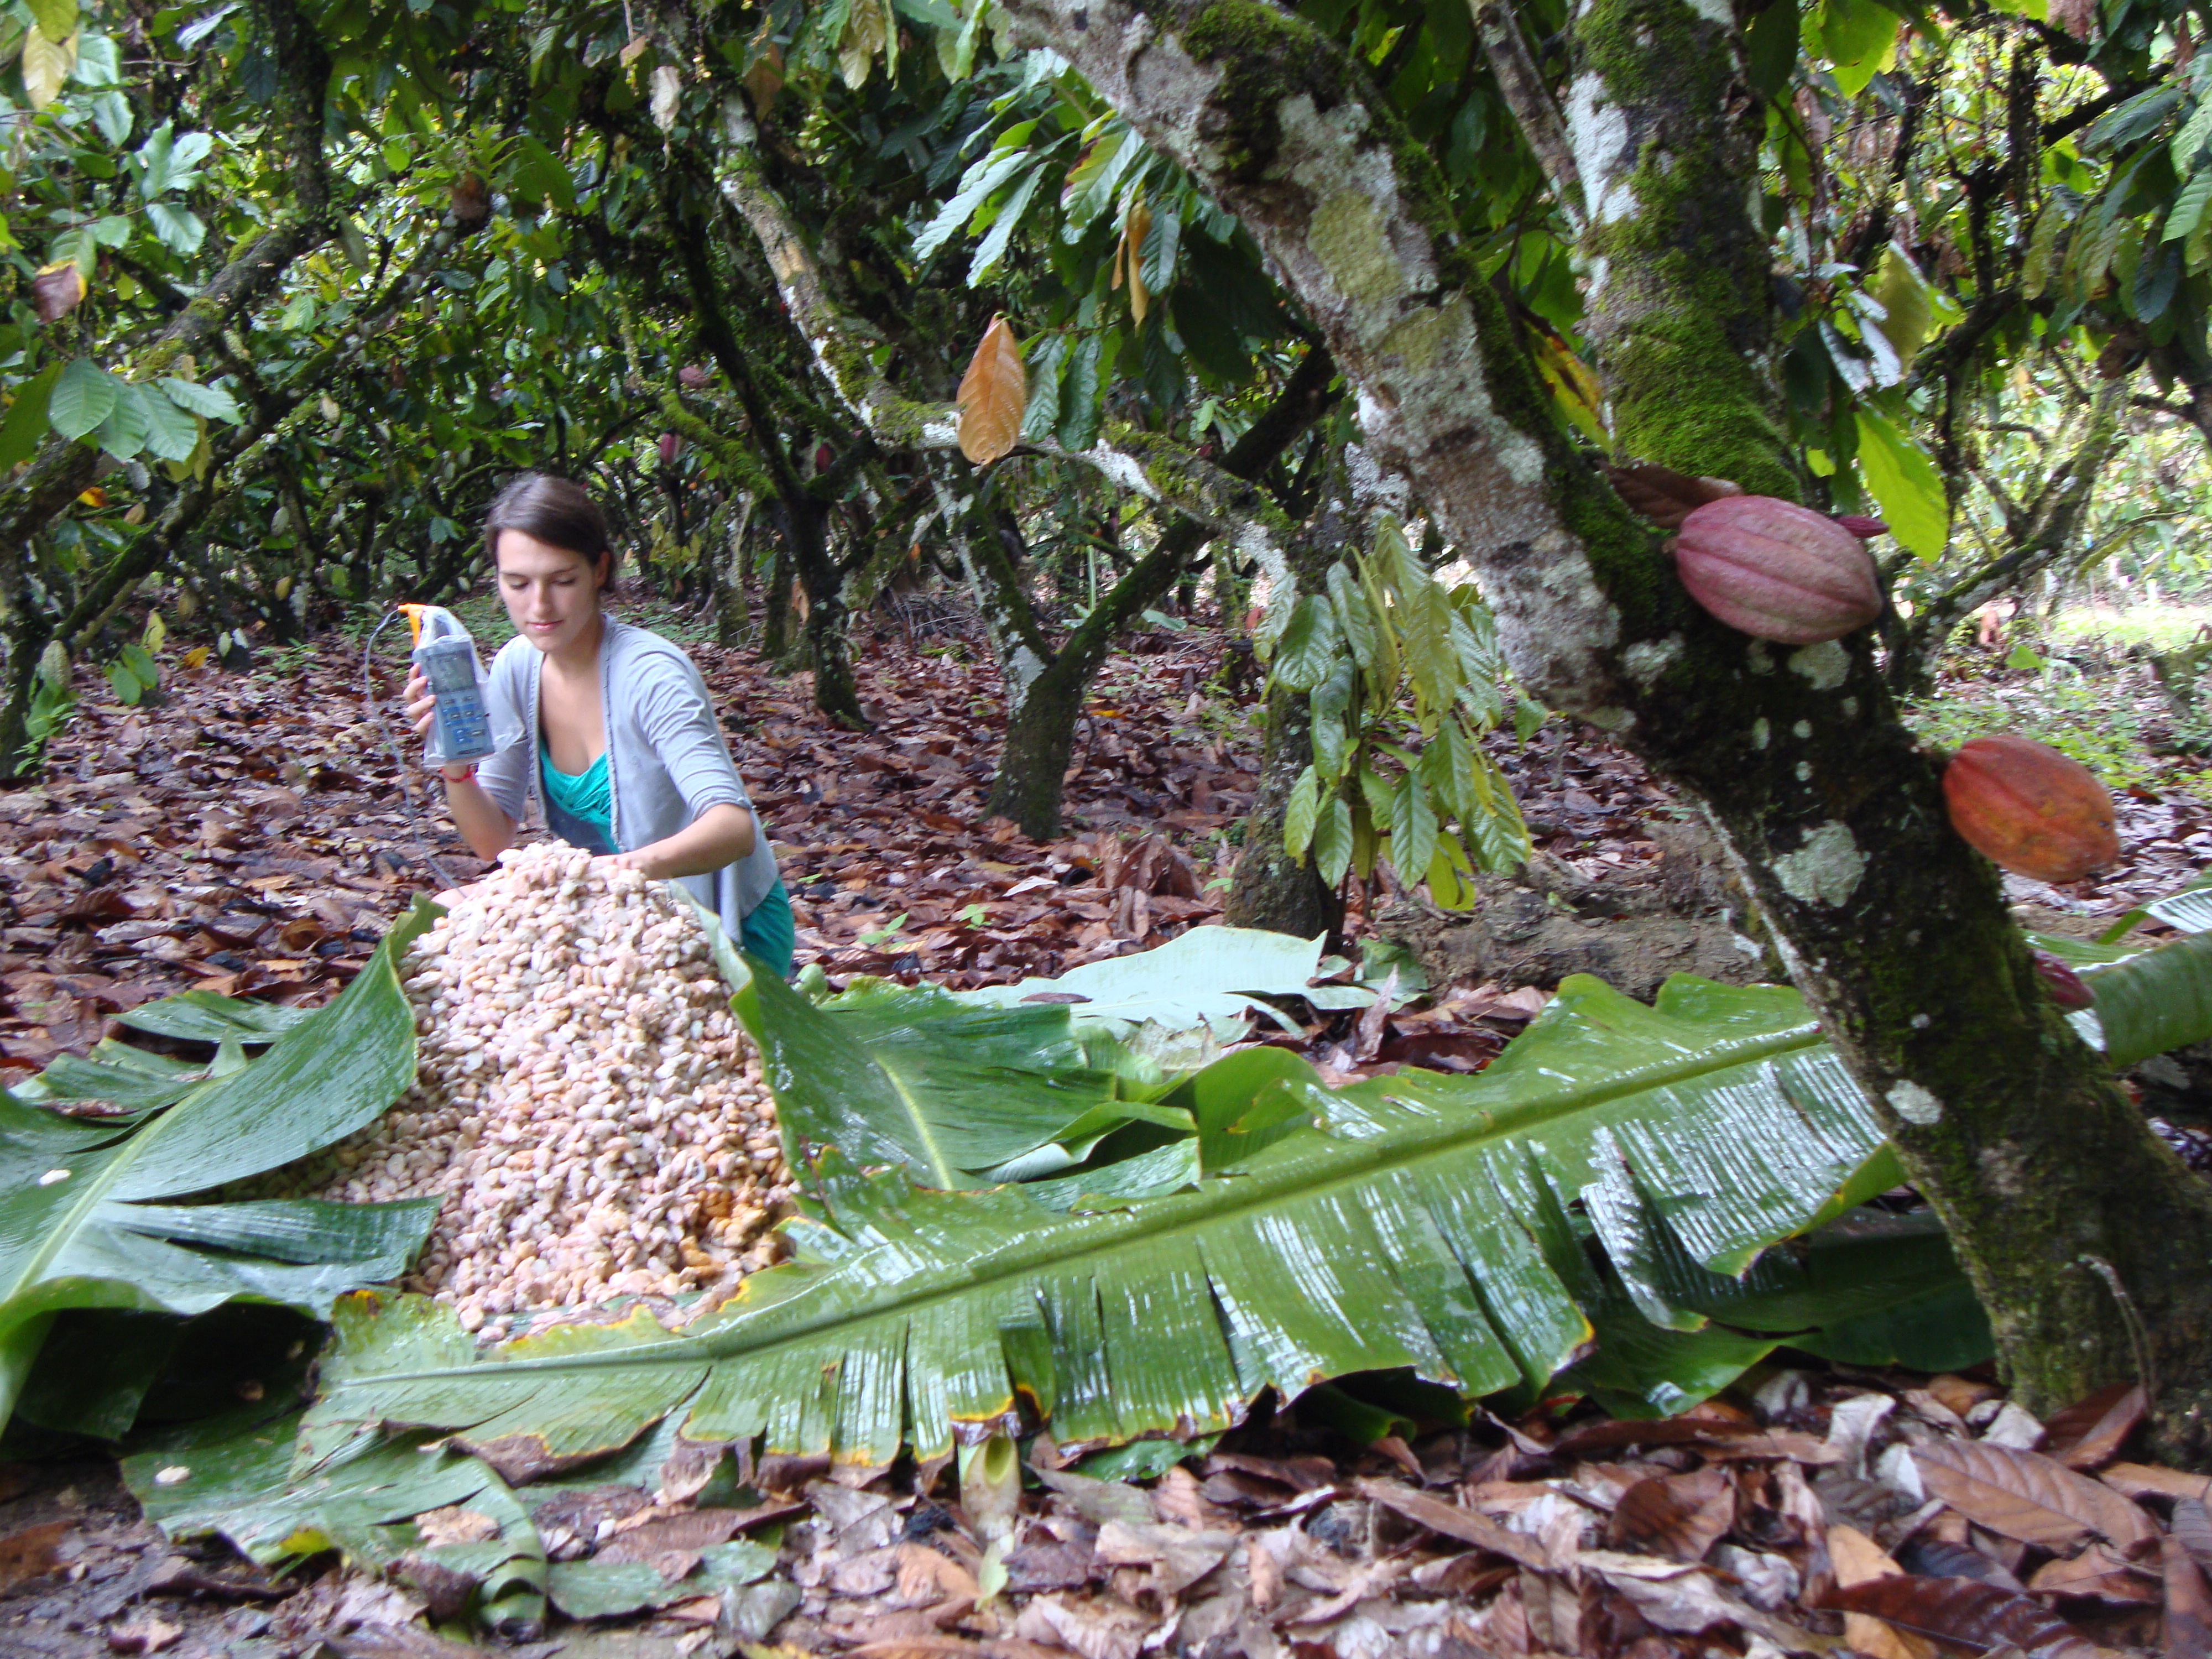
(463, 776)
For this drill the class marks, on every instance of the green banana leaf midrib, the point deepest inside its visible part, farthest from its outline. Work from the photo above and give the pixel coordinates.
(138, 1139)
(947, 1174)
(1200, 1209)
(80, 1213)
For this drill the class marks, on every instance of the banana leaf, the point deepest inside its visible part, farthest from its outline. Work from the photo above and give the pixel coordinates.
(2148, 999)
(1416, 1223)
(82, 1223)
(1213, 977)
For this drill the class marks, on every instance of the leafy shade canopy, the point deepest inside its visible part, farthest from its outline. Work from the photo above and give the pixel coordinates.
(83, 1223)
(1417, 1223)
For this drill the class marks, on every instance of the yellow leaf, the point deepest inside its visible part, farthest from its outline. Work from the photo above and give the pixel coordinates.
(1136, 225)
(1572, 384)
(636, 46)
(993, 394)
(157, 631)
(765, 79)
(46, 65)
(865, 34)
(196, 657)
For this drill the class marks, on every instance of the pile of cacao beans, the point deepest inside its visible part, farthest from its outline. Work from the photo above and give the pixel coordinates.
(589, 1113)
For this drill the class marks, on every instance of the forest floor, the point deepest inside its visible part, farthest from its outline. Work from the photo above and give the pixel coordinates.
(250, 834)
(247, 834)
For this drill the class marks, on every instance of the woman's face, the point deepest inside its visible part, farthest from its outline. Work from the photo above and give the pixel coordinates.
(552, 594)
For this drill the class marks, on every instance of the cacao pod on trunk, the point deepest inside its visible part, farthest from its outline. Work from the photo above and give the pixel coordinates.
(2032, 809)
(1776, 571)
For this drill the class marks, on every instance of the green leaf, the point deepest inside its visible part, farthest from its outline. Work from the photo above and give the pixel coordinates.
(2155, 1000)
(1904, 295)
(1095, 180)
(56, 19)
(2189, 206)
(80, 1223)
(1413, 829)
(2042, 249)
(1354, 619)
(945, 1089)
(211, 401)
(1331, 710)
(1332, 842)
(993, 245)
(975, 186)
(124, 433)
(181, 230)
(172, 433)
(1299, 814)
(1207, 975)
(1041, 417)
(203, 1016)
(607, 1589)
(1079, 394)
(1901, 477)
(1422, 1225)
(2190, 139)
(83, 398)
(1307, 650)
(27, 419)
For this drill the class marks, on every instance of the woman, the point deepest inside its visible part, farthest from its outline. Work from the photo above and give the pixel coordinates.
(622, 750)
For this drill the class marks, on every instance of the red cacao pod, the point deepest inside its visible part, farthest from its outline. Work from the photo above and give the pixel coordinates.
(695, 377)
(1776, 571)
(2032, 809)
(672, 444)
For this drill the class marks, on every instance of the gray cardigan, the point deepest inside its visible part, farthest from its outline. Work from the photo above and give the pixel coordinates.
(666, 759)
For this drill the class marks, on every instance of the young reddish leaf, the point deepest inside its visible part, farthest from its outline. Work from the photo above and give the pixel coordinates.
(1678, 1516)
(1665, 496)
(1961, 1612)
(993, 394)
(2188, 1607)
(2090, 1432)
(2026, 1496)
(57, 290)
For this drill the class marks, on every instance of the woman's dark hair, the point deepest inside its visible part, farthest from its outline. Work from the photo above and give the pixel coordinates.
(557, 511)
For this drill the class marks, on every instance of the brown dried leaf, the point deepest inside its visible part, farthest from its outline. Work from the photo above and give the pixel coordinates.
(1679, 1517)
(1452, 1522)
(2091, 1431)
(2026, 1496)
(2188, 1607)
(2153, 1480)
(2098, 1572)
(57, 290)
(1665, 496)
(30, 1553)
(1857, 1559)
(1961, 1612)
(2192, 1527)
(993, 394)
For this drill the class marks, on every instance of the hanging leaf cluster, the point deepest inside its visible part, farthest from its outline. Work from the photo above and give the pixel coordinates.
(1401, 677)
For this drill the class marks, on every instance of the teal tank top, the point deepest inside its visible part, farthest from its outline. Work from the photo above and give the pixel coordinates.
(579, 808)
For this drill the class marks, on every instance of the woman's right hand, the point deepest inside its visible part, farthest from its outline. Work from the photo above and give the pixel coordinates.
(421, 707)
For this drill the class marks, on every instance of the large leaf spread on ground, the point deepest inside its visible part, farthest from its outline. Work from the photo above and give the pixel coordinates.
(88, 1215)
(1418, 1222)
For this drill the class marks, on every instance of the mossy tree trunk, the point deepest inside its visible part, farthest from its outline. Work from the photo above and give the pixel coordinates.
(2086, 1238)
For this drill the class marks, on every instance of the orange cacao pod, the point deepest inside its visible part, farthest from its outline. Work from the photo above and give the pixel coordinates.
(1776, 571)
(2032, 809)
